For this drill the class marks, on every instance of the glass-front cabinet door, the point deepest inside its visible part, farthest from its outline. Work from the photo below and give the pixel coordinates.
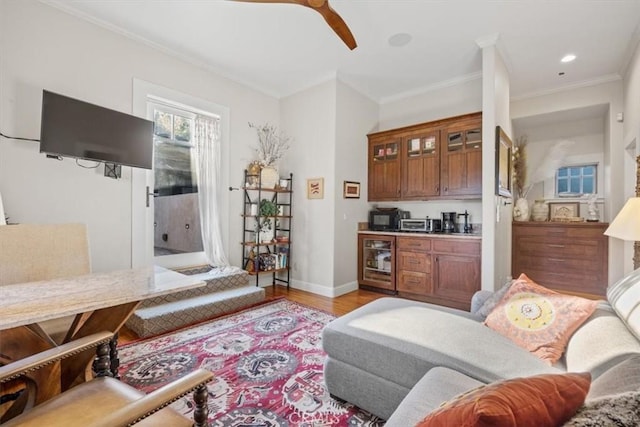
(376, 261)
(421, 165)
(462, 160)
(384, 169)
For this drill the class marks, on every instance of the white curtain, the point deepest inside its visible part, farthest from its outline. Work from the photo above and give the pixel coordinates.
(207, 141)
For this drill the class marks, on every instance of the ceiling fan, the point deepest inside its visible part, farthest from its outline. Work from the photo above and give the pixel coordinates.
(331, 16)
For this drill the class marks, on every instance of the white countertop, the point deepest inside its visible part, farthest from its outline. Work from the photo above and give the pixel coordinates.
(32, 302)
(469, 236)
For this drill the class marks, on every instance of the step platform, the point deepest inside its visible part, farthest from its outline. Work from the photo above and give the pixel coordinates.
(226, 290)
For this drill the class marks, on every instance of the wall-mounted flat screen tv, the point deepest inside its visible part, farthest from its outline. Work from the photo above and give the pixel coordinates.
(74, 128)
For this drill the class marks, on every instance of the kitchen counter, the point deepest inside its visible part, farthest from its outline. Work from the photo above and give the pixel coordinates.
(469, 236)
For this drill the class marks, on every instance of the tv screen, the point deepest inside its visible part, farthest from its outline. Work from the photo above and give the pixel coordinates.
(75, 128)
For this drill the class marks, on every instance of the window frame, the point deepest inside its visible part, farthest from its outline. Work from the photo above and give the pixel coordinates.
(581, 176)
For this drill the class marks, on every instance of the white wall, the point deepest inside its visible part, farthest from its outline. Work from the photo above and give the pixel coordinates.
(44, 48)
(588, 140)
(631, 139)
(438, 103)
(309, 118)
(610, 94)
(496, 211)
(356, 116)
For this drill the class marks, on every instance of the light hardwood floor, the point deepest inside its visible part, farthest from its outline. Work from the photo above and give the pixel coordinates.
(336, 306)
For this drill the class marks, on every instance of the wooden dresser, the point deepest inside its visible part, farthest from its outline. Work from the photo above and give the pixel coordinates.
(567, 257)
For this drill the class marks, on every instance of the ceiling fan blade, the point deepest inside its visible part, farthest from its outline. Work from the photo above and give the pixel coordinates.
(330, 16)
(338, 25)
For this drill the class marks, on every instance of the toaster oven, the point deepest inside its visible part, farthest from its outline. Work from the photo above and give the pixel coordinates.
(414, 224)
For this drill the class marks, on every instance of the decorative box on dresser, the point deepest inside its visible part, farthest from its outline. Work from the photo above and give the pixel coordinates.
(567, 257)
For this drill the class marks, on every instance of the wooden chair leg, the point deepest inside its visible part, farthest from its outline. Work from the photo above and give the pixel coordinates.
(102, 362)
(201, 411)
(113, 355)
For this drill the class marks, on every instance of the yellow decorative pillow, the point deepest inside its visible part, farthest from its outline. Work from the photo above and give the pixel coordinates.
(539, 319)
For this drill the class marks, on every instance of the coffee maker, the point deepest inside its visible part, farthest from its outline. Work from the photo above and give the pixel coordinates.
(449, 222)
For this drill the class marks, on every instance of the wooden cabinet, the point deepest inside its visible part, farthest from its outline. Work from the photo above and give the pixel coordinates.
(414, 265)
(376, 262)
(461, 158)
(437, 269)
(439, 159)
(384, 168)
(567, 257)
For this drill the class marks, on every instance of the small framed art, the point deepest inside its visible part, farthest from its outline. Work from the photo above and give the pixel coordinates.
(315, 188)
(351, 190)
(564, 210)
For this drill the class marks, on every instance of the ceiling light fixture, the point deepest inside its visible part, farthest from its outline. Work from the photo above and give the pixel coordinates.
(400, 39)
(568, 58)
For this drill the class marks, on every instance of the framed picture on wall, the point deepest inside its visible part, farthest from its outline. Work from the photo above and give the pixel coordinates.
(315, 188)
(351, 190)
(504, 146)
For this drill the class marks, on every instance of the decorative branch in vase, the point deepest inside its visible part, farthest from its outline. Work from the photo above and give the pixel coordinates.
(272, 146)
(519, 162)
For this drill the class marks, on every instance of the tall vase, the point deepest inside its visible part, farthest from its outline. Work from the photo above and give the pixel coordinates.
(269, 177)
(521, 210)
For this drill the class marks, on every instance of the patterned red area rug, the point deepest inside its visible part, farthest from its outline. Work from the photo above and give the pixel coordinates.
(267, 363)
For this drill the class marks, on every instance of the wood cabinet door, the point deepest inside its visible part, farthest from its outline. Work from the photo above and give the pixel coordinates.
(457, 277)
(421, 165)
(384, 169)
(461, 159)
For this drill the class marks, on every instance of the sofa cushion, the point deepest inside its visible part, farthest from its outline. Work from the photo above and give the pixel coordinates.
(538, 401)
(616, 410)
(436, 387)
(623, 377)
(624, 297)
(400, 340)
(539, 319)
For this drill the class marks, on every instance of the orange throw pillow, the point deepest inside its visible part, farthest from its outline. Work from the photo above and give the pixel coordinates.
(547, 400)
(539, 319)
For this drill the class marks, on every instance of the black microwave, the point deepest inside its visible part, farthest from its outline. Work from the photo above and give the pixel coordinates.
(386, 219)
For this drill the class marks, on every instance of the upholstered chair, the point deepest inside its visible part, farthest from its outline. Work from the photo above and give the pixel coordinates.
(106, 401)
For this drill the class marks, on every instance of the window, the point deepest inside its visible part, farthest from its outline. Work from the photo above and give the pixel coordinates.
(576, 180)
(174, 151)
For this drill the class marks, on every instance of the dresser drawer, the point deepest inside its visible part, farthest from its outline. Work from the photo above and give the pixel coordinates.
(559, 263)
(413, 244)
(558, 247)
(550, 230)
(414, 261)
(414, 282)
(594, 284)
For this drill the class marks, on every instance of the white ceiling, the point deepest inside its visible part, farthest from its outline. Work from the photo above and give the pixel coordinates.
(281, 49)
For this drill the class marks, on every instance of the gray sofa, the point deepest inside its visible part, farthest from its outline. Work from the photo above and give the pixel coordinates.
(379, 353)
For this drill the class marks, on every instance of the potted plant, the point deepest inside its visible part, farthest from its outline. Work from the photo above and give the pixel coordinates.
(268, 209)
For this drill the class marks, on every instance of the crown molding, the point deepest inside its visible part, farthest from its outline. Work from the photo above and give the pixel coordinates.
(577, 85)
